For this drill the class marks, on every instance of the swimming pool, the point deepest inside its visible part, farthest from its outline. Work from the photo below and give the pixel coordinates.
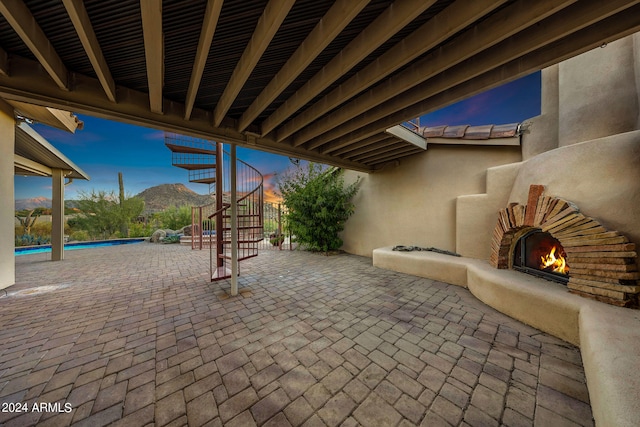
(72, 246)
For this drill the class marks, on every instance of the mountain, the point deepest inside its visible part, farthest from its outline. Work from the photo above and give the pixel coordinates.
(155, 199)
(162, 196)
(36, 202)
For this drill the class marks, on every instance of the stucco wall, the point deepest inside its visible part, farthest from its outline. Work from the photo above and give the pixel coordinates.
(541, 132)
(602, 177)
(597, 93)
(415, 203)
(636, 58)
(476, 213)
(584, 147)
(7, 138)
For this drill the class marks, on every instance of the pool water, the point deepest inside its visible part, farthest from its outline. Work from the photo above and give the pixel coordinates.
(73, 246)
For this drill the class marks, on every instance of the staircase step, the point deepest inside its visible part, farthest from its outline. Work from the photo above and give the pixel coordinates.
(203, 180)
(176, 148)
(195, 166)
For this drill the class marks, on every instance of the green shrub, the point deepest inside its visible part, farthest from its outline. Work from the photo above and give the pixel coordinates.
(31, 240)
(79, 235)
(40, 234)
(42, 229)
(139, 229)
(318, 205)
(173, 238)
(101, 215)
(174, 218)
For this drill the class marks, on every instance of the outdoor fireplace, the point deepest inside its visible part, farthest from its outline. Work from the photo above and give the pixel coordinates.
(549, 237)
(540, 254)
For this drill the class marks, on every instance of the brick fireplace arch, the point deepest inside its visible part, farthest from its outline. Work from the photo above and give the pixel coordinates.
(603, 263)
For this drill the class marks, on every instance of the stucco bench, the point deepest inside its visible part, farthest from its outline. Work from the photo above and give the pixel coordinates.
(608, 336)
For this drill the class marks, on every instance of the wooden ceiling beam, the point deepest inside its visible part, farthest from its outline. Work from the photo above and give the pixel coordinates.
(154, 51)
(392, 154)
(393, 146)
(360, 144)
(267, 26)
(22, 21)
(209, 24)
(622, 24)
(388, 23)
(4, 62)
(371, 147)
(441, 27)
(393, 96)
(331, 24)
(489, 32)
(378, 164)
(80, 20)
(28, 82)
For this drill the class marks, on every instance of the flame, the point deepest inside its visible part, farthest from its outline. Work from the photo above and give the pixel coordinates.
(557, 265)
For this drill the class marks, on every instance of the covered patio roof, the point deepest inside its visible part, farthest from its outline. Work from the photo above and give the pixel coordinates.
(35, 156)
(308, 79)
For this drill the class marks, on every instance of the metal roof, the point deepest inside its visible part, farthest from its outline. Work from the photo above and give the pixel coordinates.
(30, 145)
(305, 78)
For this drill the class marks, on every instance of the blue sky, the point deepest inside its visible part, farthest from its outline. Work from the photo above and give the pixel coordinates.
(104, 148)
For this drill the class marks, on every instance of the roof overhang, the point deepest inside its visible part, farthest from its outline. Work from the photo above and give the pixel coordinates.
(314, 80)
(60, 119)
(35, 156)
(408, 135)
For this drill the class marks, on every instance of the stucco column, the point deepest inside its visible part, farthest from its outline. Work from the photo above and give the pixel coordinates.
(7, 207)
(57, 215)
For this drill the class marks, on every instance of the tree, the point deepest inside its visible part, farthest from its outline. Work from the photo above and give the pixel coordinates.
(319, 205)
(28, 217)
(101, 214)
(175, 217)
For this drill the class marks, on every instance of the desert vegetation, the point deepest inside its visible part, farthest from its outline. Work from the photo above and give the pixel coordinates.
(318, 204)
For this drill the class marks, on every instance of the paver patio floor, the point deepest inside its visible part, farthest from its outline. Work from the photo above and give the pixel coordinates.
(136, 335)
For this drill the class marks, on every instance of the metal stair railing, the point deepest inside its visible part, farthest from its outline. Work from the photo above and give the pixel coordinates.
(250, 225)
(206, 163)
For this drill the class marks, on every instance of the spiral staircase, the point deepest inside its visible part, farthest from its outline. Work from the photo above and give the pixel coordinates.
(207, 163)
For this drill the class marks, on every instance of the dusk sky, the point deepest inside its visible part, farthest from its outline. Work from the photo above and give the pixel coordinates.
(104, 148)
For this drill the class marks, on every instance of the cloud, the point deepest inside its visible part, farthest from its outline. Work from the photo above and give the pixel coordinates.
(270, 191)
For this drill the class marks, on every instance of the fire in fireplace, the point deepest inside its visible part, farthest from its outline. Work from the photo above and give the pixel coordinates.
(542, 255)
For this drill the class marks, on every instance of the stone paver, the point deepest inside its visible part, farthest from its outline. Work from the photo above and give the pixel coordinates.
(137, 335)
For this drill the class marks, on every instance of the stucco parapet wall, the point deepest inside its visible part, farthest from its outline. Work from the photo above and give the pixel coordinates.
(608, 337)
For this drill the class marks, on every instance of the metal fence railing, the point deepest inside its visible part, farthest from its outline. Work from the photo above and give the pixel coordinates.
(277, 235)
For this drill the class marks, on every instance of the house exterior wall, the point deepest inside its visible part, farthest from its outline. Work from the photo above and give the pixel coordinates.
(7, 148)
(584, 147)
(601, 177)
(597, 93)
(415, 203)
